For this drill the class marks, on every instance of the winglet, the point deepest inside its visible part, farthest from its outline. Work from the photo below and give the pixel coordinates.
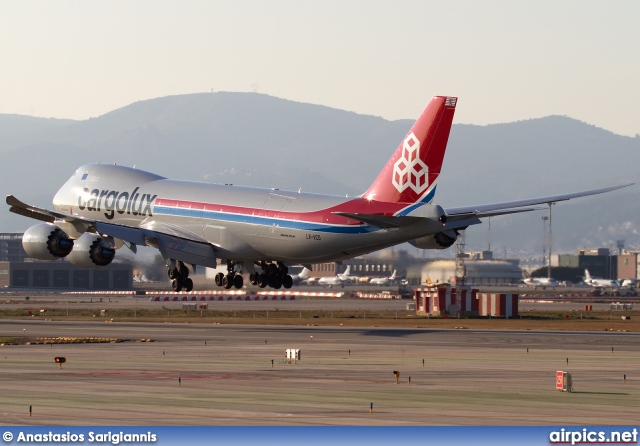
(20, 208)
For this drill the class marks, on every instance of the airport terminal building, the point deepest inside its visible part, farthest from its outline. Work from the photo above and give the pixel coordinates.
(17, 270)
(64, 275)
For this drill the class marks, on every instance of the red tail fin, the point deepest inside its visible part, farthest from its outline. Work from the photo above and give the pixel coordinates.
(411, 173)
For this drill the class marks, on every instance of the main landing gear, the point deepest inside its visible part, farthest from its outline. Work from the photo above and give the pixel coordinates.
(273, 275)
(232, 279)
(180, 277)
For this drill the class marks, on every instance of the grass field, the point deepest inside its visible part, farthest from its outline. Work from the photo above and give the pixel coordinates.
(528, 320)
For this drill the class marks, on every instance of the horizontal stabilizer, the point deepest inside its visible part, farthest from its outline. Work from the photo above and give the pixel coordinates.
(382, 221)
(461, 224)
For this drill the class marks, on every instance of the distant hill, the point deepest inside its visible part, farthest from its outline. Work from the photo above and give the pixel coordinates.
(258, 140)
(17, 130)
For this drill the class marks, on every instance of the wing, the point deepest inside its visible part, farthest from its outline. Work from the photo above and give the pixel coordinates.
(20, 208)
(468, 213)
(173, 242)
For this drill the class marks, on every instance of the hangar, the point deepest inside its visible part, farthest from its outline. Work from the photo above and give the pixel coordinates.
(17, 270)
(64, 275)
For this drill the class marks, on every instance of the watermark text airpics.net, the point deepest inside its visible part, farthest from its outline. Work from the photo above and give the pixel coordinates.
(591, 436)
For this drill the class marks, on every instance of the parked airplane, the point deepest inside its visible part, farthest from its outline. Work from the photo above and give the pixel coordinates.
(630, 283)
(384, 280)
(541, 281)
(338, 279)
(595, 282)
(303, 276)
(104, 207)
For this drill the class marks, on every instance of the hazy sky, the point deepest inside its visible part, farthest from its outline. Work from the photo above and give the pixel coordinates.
(505, 60)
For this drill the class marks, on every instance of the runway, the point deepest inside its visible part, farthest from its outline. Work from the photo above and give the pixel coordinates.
(198, 374)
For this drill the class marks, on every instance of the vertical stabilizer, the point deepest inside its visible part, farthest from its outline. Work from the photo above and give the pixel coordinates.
(410, 175)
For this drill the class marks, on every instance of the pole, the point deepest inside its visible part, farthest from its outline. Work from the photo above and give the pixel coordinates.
(545, 218)
(550, 242)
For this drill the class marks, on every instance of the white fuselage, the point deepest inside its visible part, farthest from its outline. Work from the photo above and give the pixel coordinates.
(241, 223)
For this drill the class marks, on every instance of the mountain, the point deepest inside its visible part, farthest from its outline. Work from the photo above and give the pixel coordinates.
(258, 140)
(17, 130)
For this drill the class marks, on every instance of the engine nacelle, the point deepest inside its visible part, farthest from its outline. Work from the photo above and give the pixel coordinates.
(92, 251)
(46, 241)
(441, 240)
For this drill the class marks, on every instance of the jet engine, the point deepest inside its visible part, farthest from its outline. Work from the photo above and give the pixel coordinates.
(46, 241)
(92, 251)
(441, 240)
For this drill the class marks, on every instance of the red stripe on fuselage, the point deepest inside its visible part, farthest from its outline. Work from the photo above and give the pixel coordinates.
(326, 216)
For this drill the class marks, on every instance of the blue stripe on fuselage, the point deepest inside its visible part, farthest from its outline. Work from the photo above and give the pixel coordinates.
(426, 200)
(264, 221)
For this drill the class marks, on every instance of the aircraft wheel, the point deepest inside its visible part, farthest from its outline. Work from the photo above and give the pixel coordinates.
(275, 282)
(238, 281)
(183, 271)
(262, 280)
(176, 284)
(188, 284)
(219, 278)
(272, 269)
(253, 279)
(227, 282)
(173, 273)
(283, 270)
(287, 281)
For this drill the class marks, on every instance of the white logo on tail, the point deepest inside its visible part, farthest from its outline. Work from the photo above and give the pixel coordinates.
(409, 170)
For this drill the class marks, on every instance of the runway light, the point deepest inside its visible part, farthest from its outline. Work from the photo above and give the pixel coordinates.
(60, 360)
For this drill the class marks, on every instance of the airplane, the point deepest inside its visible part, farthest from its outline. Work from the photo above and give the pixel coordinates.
(383, 280)
(338, 279)
(594, 282)
(630, 283)
(541, 281)
(303, 276)
(103, 207)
